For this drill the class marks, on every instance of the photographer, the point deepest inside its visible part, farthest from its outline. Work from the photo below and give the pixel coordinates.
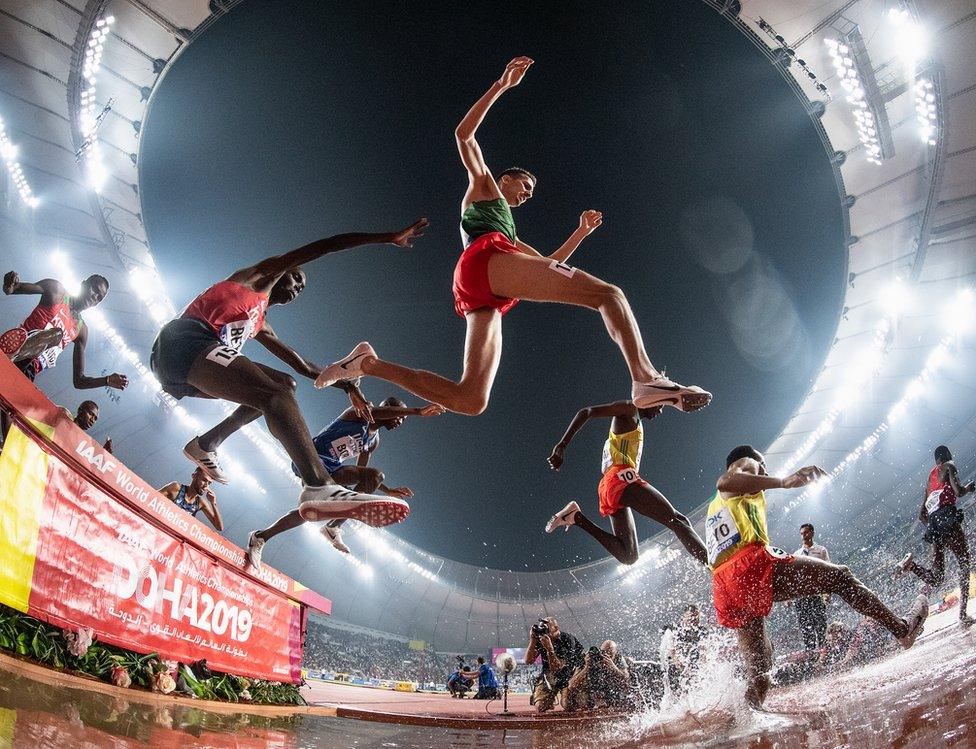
(603, 681)
(487, 682)
(562, 656)
(457, 684)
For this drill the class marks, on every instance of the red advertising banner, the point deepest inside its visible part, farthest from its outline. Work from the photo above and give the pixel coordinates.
(86, 543)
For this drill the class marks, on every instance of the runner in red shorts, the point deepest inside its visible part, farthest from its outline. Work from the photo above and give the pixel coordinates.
(496, 270)
(621, 488)
(748, 574)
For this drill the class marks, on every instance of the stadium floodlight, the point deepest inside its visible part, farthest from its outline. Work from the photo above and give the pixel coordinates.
(926, 111)
(910, 38)
(8, 152)
(846, 68)
(897, 298)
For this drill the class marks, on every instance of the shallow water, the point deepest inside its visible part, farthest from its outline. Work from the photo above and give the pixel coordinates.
(919, 698)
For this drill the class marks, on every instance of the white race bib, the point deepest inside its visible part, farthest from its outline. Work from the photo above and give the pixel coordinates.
(932, 501)
(235, 334)
(49, 357)
(347, 447)
(721, 533)
(628, 475)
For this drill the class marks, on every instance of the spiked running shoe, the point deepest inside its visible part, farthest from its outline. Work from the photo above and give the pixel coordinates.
(19, 345)
(207, 460)
(916, 621)
(334, 502)
(664, 392)
(334, 536)
(564, 518)
(349, 368)
(255, 546)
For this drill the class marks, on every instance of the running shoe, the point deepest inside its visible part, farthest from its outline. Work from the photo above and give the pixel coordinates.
(902, 567)
(333, 502)
(207, 460)
(564, 518)
(334, 535)
(255, 546)
(349, 368)
(966, 620)
(12, 340)
(916, 621)
(20, 345)
(664, 392)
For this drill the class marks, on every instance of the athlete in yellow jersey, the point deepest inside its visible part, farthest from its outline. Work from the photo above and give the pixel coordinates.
(621, 488)
(748, 574)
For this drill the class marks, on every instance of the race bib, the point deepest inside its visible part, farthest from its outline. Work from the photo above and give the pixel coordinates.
(49, 357)
(932, 501)
(566, 270)
(223, 355)
(628, 475)
(235, 334)
(721, 533)
(346, 448)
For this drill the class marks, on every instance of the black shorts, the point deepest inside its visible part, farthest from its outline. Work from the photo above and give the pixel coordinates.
(174, 351)
(943, 523)
(28, 368)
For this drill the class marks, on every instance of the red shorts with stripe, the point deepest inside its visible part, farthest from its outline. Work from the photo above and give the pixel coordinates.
(615, 480)
(742, 587)
(471, 288)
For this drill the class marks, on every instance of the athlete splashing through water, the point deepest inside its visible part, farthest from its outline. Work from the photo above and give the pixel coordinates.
(497, 269)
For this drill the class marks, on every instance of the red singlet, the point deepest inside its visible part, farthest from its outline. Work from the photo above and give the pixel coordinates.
(940, 493)
(234, 312)
(57, 315)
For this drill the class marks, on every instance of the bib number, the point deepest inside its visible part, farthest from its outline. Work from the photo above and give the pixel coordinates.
(566, 270)
(721, 533)
(234, 334)
(932, 501)
(346, 448)
(628, 475)
(223, 355)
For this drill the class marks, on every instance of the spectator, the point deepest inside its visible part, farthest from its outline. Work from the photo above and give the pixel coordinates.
(811, 611)
(194, 497)
(604, 680)
(85, 419)
(487, 682)
(561, 655)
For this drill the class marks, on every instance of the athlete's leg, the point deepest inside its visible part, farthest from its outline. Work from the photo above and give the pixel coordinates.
(358, 478)
(650, 503)
(806, 576)
(469, 395)
(959, 546)
(282, 524)
(521, 276)
(622, 543)
(757, 652)
(242, 381)
(935, 576)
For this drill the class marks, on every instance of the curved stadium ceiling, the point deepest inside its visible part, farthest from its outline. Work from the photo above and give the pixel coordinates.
(894, 382)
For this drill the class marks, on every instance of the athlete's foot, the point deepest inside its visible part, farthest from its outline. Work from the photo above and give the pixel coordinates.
(19, 345)
(915, 621)
(664, 392)
(348, 368)
(903, 566)
(564, 518)
(333, 502)
(206, 459)
(756, 691)
(334, 535)
(255, 546)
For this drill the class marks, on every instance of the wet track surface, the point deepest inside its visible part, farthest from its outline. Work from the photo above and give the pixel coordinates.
(919, 698)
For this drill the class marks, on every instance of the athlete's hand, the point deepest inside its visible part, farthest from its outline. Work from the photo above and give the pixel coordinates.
(10, 281)
(406, 237)
(400, 492)
(359, 403)
(804, 476)
(117, 381)
(514, 72)
(107, 446)
(971, 487)
(432, 410)
(556, 458)
(211, 496)
(589, 221)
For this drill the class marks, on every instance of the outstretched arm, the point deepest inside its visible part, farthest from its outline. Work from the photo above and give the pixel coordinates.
(481, 185)
(80, 380)
(270, 340)
(753, 480)
(952, 476)
(391, 412)
(589, 221)
(606, 411)
(264, 275)
(50, 289)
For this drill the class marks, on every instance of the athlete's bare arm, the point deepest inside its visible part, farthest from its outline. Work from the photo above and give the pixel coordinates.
(50, 289)
(270, 340)
(170, 490)
(263, 276)
(208, 504)
(952, 478)
(589, 221)
(481, 185)
(391, 412)
(748, 476)
(80, 380)
(623, 413)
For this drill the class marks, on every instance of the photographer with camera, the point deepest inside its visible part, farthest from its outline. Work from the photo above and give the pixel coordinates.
(562, 656)
(457, 683)
(604, 680)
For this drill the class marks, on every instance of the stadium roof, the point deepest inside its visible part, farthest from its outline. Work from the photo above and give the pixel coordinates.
(901, 135)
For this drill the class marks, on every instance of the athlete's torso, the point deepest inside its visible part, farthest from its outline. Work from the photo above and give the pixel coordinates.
(623, 449)
(485, 216)
(58, 315)
(732, 524)
(343, 440)
(184, 504)
(940, 493)
(232, 311)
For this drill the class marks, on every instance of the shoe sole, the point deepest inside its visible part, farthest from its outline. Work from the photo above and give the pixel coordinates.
(192, 458)
(374, 513)
(687, 402)
(19, 345)
(12, 341)
(909, 640)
